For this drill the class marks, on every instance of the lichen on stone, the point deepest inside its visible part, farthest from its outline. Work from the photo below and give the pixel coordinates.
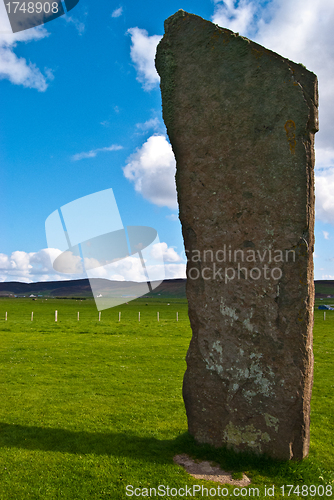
(248, 435)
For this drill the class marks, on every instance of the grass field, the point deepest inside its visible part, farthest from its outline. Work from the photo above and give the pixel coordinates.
(89, 407)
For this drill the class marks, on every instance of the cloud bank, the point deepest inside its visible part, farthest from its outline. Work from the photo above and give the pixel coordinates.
(28, 267)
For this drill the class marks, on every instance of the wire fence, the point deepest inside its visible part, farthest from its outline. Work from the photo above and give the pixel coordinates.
(99, 317)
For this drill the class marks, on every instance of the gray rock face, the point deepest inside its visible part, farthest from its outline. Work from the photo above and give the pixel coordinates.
(241, 120)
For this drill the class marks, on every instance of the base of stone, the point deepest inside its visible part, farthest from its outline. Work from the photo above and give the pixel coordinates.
(209, 471)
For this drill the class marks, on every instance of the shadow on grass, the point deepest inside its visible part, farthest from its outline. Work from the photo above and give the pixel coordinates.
(154, 450)
(83, 442)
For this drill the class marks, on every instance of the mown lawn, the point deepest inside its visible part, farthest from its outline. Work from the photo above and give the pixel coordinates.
(89, 407)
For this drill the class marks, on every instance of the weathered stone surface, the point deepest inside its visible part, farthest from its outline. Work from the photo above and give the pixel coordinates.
(241, 120)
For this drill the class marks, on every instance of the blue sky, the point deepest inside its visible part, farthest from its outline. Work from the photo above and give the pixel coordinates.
(81, 112)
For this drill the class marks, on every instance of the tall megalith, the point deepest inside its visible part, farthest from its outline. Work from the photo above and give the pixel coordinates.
(241, 120)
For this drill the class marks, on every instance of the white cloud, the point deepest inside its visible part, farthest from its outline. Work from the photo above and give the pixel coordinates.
(142, 53)
(16, 69)
(325, 198)
(131, 269)
(326, 235)
(152, 169)
(234, 17)
(153, 123)
(127, 269)
(168, 253)
(117, 12)
(68, 263)
(93, 152)
(79, 25)
(172, 217)
(324, 159)
(134, 271)
(173, 271)
(28, 267)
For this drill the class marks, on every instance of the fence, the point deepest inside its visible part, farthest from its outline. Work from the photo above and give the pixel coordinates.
(100, 316)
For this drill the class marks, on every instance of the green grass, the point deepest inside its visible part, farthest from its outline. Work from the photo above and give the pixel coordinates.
(89, 407)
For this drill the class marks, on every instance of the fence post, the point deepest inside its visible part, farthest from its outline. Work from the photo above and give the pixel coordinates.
(119, 316)
(6, 316)
(56, 316)
(139, 316)
(157, 316)
(324, 315)
(99, 315)
(177, 316)
(78, 315)
(32, 316)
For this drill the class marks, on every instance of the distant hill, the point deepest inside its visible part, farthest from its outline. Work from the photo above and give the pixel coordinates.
(323, 288)
(170, 288)
(47, 288)
(81, 288)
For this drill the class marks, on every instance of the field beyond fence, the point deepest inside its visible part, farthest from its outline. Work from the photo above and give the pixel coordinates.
(91, 406)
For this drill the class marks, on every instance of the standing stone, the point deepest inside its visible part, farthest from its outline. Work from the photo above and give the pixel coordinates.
(241, 120)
